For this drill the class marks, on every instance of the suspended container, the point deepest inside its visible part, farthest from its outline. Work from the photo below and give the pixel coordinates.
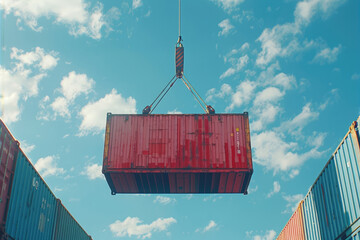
(32, 205)
(66, 227)
(182, 153)
(8, 151)
(294, 229)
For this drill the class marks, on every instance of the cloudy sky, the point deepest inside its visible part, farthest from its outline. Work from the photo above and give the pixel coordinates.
(293, 65)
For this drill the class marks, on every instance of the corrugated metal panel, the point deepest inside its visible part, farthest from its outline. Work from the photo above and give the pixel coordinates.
(66, 226)
(311, 220)
(178, 153)
(32, 205)
(8, 151)
(333, 202)
(352, 232)
(294, 229)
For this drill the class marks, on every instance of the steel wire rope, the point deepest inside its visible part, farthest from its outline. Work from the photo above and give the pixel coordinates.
(194, 89)
(163, 95)
(163, 90)
(194, 95)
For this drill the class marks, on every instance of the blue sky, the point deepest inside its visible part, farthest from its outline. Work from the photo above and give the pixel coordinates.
(293, 65)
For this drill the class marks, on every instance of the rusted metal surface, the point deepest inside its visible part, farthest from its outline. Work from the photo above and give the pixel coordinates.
(178, 153)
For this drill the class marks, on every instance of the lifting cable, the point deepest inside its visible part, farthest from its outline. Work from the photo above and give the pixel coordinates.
(179, 67)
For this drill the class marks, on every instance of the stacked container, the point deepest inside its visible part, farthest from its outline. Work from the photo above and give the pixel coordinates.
(8, 151)
(294, 229)
(331, 208)
(32, 204)
(66, 226)
(28, 208)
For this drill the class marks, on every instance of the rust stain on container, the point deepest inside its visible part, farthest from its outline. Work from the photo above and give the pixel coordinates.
(9, 148)
(183, 153)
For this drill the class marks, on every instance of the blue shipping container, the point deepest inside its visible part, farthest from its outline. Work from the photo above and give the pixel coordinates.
(66, 226)
(332, 205)
(32, 205)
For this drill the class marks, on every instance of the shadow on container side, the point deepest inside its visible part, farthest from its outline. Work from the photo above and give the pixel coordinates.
(177, 153)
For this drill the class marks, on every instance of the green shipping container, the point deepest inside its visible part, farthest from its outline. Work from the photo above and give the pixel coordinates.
(66, 226)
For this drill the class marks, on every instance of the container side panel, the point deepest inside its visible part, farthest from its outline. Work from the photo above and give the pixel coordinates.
(333, 202)
(294, 228)
(8, 151)
(32, 205)
(67, 227)
(178, 144)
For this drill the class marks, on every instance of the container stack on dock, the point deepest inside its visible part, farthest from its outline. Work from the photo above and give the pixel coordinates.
(331, 208)
(28, 208)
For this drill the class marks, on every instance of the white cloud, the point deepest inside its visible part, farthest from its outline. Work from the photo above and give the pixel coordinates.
(278, 41)
(244, 93)
(94, 113)
(284, 80)
(294, 173)
(27, 148)
(265, 114)
(133, 226)
(275, 190)
(327, 55)
(237, 66)
(75, 84)
(75, 14)
(175, 111)
(212, 198)
(292, 202)
(61, 107)
(296, 125)
(47, 166)
(93, 171)
(212, 224)
(306, 9)
(22, 81)
(225, 26)
(268, 95)
(136, 4)
(282, 40)
(225, 90)
(164, 200)
(252, 189)
(273, 151)
(269, 235)
(228, 5)
(72, 86)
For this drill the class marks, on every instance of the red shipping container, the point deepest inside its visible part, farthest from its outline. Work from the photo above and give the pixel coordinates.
(294, 229)
(8, 152)
(182, 153)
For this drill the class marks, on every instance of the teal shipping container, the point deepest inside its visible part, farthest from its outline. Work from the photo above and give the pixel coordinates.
(66, 226)
(331, 208)
(32, 205)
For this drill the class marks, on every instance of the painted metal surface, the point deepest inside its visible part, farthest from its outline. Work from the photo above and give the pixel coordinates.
(294, 229)
(32, 205)
(333, 202)
(179, 60)
(66, 226)
(199, 153)
(8, 151)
